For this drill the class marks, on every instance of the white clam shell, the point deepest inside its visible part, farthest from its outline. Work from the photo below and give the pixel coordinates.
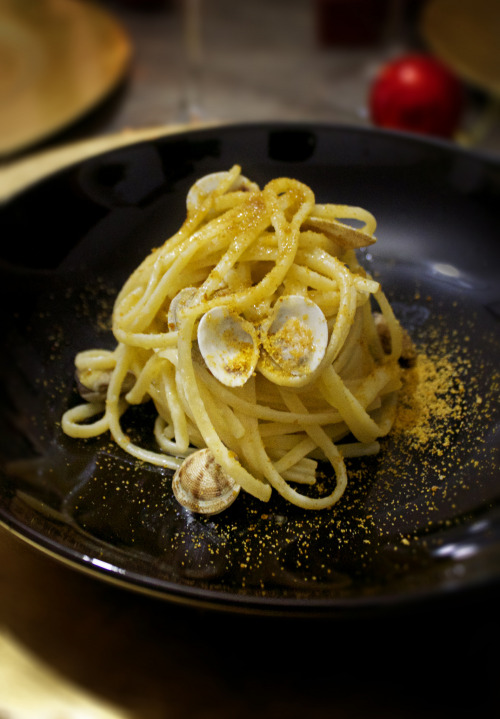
(294, 339)
(181, 299)
(202, 485)
(209, 183)
(229, 346)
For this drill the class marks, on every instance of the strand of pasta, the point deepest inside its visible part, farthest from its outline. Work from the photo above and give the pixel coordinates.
(146, 340)
(288, 236)
(177, 415)
(261, 458)
(338, 212)
(164, 435)
(344, 357)
(263, 464)
(173, 245)
(97, 359)
(354, 415)
(148, 372)
(293, 456)
(321, 439)
(73, 421)
(221, 415)
(113, 414)
(263, 412)
(141, 314)
(253, 217)
(170, 261)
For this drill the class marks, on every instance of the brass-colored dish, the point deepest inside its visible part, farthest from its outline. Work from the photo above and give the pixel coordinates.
(465, 35)
(58, 58)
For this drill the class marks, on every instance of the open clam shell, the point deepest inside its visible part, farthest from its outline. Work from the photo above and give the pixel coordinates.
(202, 485)
(209, 183)
(294, 339)
(229, 345)
(181, 299)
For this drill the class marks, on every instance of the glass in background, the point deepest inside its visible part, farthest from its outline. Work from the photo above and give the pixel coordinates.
(192, 102)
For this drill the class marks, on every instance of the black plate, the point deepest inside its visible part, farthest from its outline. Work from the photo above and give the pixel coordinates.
(419, 521)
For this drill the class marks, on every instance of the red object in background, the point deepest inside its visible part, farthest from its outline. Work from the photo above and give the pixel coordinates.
(417, 93)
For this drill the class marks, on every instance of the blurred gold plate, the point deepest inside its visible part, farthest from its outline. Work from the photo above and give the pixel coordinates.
(58, 58)
(466, 35)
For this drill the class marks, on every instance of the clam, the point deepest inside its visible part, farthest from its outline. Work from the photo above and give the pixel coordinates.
(202, 485)
(294, 339)
(92, 385)
(209, 183)
(181, 299)
(345, 236)
(229, 346)
(408, 354)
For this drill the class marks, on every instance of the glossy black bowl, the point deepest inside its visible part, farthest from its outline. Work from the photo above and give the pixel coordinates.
(419, 521)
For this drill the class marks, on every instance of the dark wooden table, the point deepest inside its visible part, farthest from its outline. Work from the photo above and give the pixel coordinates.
(150, 659)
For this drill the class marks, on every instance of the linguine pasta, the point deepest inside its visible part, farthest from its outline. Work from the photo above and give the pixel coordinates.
(198, 336)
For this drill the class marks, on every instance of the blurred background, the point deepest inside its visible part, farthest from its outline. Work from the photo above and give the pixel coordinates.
(80, 69)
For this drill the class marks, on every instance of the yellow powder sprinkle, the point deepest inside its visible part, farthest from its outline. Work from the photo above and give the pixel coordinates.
(430, 396)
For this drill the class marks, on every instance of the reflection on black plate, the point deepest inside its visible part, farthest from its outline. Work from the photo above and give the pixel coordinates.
(419, 520)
